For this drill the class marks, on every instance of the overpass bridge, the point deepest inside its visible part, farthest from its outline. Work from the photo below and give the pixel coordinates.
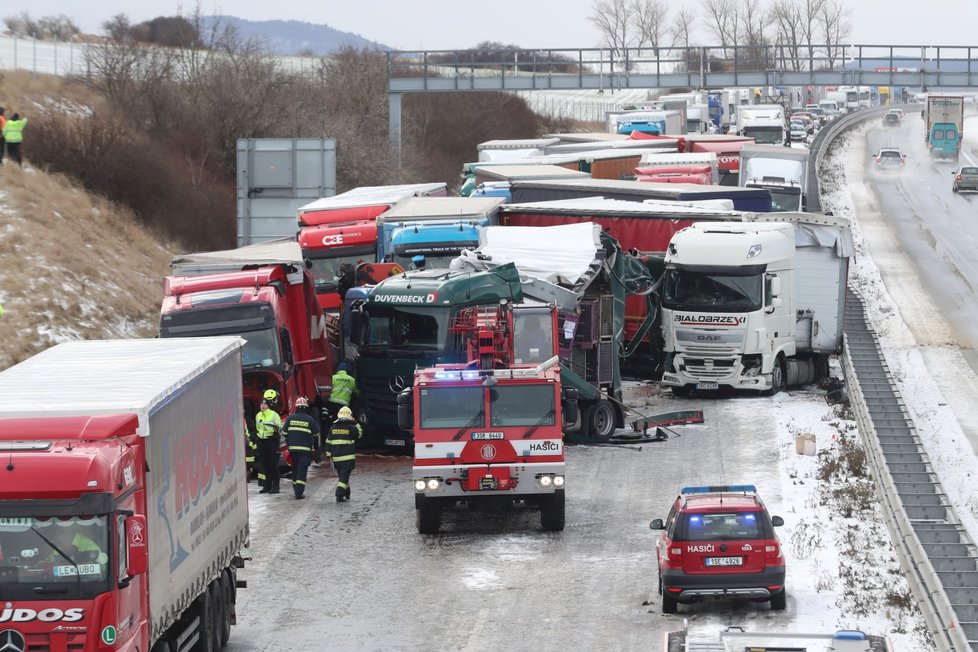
(900, 66)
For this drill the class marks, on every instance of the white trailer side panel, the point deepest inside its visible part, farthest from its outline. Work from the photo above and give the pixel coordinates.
(820, 285)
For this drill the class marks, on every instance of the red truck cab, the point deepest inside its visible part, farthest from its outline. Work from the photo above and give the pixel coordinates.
(275, 310)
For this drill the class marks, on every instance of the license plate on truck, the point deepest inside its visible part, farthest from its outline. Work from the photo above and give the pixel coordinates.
(707, 386)
(724, 561)
(394, 442)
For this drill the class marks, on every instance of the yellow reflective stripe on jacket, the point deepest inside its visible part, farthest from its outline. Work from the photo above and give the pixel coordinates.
(343, 458)
(342, 441)
(299, 448)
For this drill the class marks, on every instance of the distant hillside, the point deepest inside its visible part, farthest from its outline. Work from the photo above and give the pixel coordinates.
(292, 37)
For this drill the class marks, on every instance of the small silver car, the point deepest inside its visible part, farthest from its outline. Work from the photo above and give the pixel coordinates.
(965, 179)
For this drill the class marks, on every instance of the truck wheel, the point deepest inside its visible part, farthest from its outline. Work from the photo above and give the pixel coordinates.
(429, 519)
(779, 600)
(669, 604)
(217, 613)
(552, 512)
(227, 602)
(205, 624)
(777, 378)
(599, 420)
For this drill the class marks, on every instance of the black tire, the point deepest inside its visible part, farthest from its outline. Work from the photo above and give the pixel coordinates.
(205, 625)
(681, 391)
(599, 420)
(669, 604)
(779, 601)
(227, 602)
(777, 378)
(429, 519)
(552, 513)
(217, 612)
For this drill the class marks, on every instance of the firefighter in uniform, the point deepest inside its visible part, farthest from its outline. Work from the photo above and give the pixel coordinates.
(267, 426)
(251, 450)
(301, 432)
(344, 386)
(341, 448)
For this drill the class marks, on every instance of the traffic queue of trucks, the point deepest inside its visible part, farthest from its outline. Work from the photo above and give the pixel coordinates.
(123, 503)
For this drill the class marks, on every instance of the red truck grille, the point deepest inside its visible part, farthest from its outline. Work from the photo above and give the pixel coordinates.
(56, 642)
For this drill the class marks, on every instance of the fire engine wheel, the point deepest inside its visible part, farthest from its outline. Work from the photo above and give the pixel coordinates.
(552, 512)
(779, 600)
(429, 519)
(599, 420)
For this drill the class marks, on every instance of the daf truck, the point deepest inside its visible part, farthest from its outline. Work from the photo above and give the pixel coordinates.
(764, 123)
(755, 305)
(781, 170)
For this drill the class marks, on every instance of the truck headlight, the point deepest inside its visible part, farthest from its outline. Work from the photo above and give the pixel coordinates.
(433, 484)
(545, 480)
(558, 481)
(419, 485)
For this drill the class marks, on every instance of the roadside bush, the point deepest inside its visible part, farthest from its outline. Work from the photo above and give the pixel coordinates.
(193, 206)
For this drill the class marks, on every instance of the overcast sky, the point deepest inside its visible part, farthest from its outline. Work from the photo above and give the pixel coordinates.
(456, 24)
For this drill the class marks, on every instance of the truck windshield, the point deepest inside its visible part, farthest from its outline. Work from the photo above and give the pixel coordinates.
(67, 557)
(406, 327)
(261, 349)
(329, 266)
(765, 135)
(433, 260)
(707, 292)
(452, 407)
(785, 200)
(522, 405)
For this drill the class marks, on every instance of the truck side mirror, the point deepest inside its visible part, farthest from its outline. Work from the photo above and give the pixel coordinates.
(405, 409)
(356, 325)
(775, 286)
(137, 551)
(283, 333)
(569, 405)
(657, 524)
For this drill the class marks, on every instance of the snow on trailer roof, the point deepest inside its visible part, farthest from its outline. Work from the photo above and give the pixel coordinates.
(568, 255)
(447, 207)
(524, 143)
(603, 205)
(284, 251)
(370, 195)
(89, 377)
(588, 137)
(515, 171)
(639, 188)
(660, 145)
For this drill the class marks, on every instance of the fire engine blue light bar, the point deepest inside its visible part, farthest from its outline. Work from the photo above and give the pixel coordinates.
(719, 488)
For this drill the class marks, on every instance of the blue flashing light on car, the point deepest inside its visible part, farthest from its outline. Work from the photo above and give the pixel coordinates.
(719, 488)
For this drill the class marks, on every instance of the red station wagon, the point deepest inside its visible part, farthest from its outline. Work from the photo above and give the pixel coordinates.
(719, 543)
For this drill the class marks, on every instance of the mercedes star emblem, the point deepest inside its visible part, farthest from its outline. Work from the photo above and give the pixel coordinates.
(12, 641)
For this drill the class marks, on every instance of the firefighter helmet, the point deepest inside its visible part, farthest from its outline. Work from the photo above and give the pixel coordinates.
(345, 413)
(302, 402)
(270, 395)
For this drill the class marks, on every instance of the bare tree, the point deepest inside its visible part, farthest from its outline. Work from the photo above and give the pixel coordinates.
(651, 20)
(682, 28)
(786, 17)
(23, 25)
(751, 49)
(58, 28)
(723, 22)
(118, 28)
(611, 19)
(835, 28)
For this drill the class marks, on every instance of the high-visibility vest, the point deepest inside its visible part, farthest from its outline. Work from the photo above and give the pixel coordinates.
(341, 443)
(343, 387)
(266, 421)
(13, 131)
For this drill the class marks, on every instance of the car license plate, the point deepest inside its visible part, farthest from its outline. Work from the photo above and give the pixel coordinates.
(83, 569)
(707, 386)
(724, 561)
(480, 436)
(394, 442)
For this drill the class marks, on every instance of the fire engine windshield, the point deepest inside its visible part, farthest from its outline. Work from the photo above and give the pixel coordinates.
(452, 407)
(62, 556)
(407, 327)
(712, 292)
(522, 405)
